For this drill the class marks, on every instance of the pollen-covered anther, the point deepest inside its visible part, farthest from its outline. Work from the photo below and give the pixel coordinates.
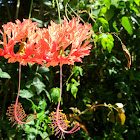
(60, 124)
(17, 115)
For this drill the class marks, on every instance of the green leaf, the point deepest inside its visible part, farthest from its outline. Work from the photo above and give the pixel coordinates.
(114, 2)
(55, 94)
(103, 11)
(107, 42)
(75, 82)
(68, 86)
(48, 94)
(104, 23)
(29, 84)
(127, 25)
(39, 85)
(107, 3)
(26, 93)
(40, 22)
(4, 75)
(109, 14)
(74, 90)
(77, 70)
(42, 105)
(114, 26)
(33, 105)
(43, 69)
(137, 2)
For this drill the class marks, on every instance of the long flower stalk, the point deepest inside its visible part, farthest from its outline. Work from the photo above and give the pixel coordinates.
(59, 120)
(16, 112)
(76, 127)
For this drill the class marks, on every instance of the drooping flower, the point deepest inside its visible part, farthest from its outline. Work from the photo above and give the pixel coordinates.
(16, 115)
(61, 124)
(66, 44)
(59, 120)
(19, 41)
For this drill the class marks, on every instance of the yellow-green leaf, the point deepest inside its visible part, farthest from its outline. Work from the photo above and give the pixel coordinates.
(137, 2)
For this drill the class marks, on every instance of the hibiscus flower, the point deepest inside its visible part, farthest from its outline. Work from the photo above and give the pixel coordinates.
(19, 41)
(66, 44)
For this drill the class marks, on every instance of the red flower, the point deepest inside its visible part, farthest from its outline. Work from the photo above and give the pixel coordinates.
(64, 44)
(22, 35)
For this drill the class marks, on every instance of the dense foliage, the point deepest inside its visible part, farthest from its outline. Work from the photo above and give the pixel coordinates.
(102, 79)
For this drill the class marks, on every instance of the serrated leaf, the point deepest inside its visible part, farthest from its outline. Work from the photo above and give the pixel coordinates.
(4, 75)
(26, 93)
(74, 90)
(55, 94)
(127, 25)
(39, 85)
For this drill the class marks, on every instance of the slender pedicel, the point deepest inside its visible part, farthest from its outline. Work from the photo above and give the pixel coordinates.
(59, 120)
(16, 112)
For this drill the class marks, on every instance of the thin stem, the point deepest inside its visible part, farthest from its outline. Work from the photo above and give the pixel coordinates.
(60, 90)
(17, 10)
(31, 6)
(18, 83)
(58, 12)
(68, 78)
(76, 127)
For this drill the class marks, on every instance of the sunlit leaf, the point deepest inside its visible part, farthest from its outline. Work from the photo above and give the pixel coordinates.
(107, 3)
(137, 2)
(26, 93)
(121, 117)
(4, 75)
(127, 25)
(107, 42)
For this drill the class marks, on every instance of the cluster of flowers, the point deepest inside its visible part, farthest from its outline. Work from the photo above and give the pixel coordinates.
(47, 47)
(26, 43)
